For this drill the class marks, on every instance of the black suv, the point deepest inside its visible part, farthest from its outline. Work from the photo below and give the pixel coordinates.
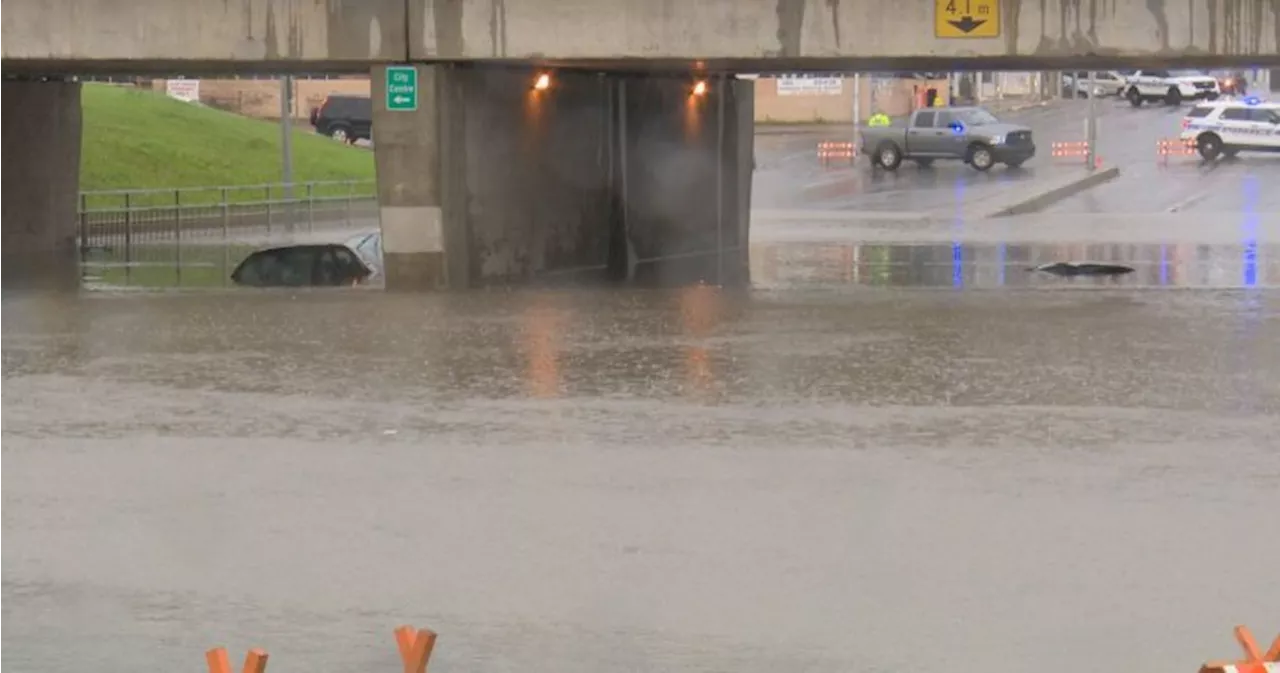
(344, 118)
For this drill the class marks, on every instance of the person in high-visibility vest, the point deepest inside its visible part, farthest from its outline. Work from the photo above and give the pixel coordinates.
(878, 119)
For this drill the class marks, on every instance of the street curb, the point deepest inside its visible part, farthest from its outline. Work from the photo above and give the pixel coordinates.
(836, 216)
(1049, 197)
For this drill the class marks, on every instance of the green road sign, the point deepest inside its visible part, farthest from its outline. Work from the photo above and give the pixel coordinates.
(402, 88)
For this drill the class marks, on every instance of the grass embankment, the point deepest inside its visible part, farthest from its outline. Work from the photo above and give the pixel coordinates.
(137, 139)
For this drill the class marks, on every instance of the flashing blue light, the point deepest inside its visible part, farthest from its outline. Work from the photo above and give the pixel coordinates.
(1251, 263)
(957, 127)
(1252, 100)
(1252, 190)
(957, 265)
(1001, 253)
(1164, 265)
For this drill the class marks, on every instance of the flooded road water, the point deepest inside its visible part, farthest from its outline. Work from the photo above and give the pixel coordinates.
(812, 475)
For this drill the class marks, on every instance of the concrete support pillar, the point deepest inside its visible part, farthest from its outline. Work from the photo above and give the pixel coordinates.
(409, 160)
(41, 183)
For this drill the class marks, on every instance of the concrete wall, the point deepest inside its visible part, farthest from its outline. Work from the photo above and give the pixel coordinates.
(41, 147)
(537, 174)
(171, 34)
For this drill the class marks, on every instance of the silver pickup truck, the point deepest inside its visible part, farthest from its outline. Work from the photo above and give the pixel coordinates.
(970, 134)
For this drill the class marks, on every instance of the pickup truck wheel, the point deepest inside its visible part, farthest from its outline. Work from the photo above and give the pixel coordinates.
(981, 158)
(1173, 97)
(340, 133)
(1209, 145)
(1135, 98)
(889, 156)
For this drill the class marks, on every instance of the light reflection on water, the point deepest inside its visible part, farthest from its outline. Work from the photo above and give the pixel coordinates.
(1007, 265)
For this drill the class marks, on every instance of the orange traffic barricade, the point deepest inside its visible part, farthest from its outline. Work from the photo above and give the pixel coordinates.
(415, 647)
(1174, 147)
(254, 662)
(831, 151)
(1255, 661)
(1076, 150)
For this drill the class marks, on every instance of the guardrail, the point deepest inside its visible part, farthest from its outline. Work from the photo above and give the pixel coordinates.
(129, 217)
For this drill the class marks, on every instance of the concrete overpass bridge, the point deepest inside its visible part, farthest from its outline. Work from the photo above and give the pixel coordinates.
(619, 164)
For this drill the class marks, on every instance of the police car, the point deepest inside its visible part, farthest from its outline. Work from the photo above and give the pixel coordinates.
(1229, 127)
(1170, 86)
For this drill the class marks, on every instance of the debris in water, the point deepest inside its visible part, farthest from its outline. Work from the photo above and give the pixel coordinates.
(1083, 269)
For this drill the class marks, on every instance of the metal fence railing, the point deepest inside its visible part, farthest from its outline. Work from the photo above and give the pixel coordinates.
(127, 218)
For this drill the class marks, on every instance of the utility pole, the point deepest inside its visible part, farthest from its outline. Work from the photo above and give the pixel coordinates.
(857, 106)
(286, 146)
(1091, 124)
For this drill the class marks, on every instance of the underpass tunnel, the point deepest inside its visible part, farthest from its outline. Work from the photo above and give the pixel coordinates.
(526, 175)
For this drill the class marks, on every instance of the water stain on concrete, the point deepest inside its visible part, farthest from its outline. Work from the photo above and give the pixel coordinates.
(498, 27)
(1236, 26)
(365, 28)
(292, 46)
(248, 47)
(1010, 10)
(1160, 15)
(790, 26)
(834, 6)
(1275, 24)
(448, 25)
(1077, 25)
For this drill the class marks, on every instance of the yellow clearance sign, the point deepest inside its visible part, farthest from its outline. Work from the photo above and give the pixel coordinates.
(966, 18)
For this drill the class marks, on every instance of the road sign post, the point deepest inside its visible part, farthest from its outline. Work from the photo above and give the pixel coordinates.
(1091, 123)
(966, 18)
(402, 88)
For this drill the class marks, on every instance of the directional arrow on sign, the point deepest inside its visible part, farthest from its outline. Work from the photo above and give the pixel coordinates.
(400, 99)
(967, 24)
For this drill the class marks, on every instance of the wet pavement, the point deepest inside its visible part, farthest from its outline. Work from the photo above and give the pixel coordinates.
(986, 266)
(899, 449)
(790, 176)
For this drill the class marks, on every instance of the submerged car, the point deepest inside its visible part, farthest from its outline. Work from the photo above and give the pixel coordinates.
(307, 265)
(368, 245)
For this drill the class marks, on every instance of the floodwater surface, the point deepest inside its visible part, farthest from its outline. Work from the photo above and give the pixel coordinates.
(1049, 479)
